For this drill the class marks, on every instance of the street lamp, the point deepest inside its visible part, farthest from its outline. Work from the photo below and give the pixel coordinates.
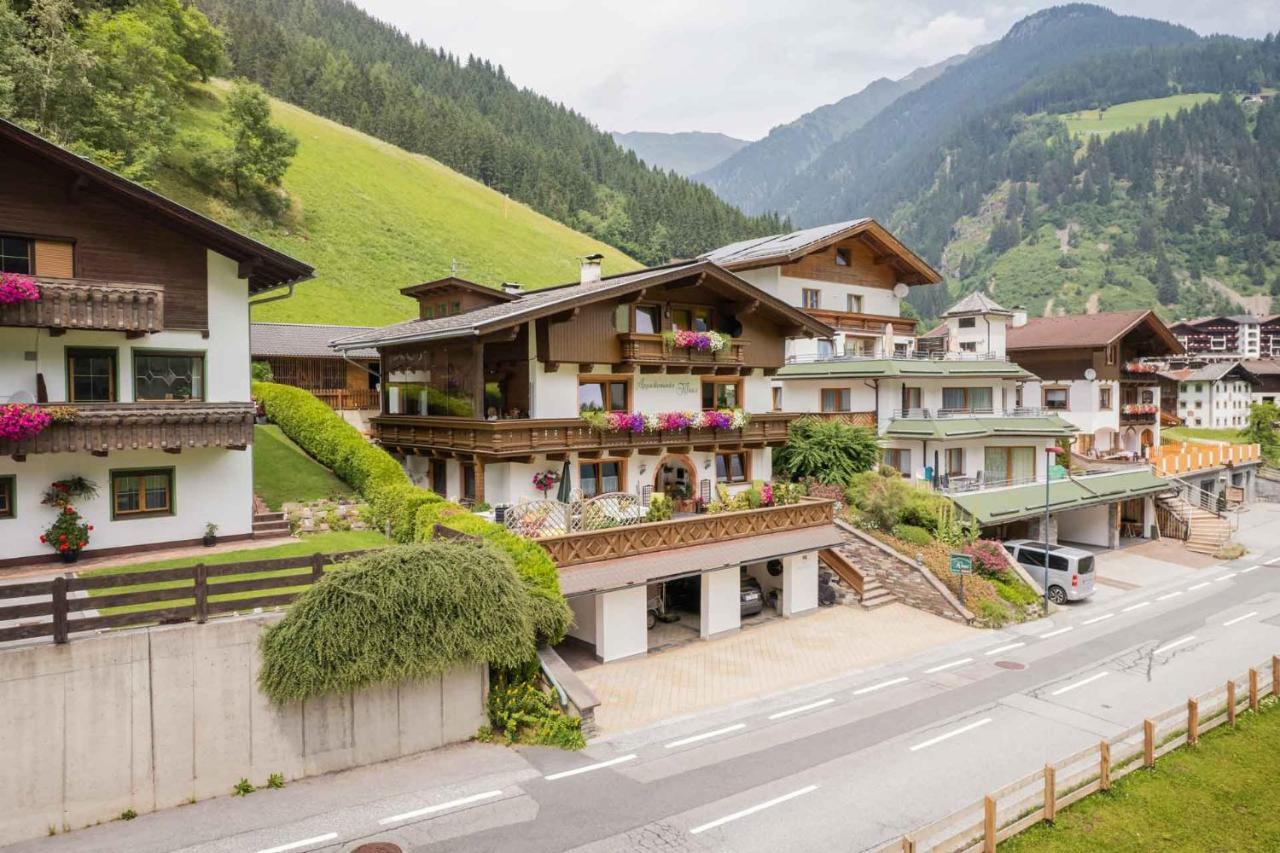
(1051, 455)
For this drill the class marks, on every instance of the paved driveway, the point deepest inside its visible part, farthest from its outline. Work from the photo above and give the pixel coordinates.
(1139, 564)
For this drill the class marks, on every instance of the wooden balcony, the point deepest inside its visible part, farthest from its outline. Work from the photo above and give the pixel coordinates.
(858, 419)
(68, 303)
(652, 351)
(1173, 459)
(100, 428)
(443, 436)
(628, 541)
(849, 321)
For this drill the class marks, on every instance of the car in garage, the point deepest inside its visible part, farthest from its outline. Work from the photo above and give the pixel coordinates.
(686, 594)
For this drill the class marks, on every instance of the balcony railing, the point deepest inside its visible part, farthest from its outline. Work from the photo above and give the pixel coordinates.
(67, 303)
(858, 419)
(104, 427)
(973, 412)
(1172, 458)
(638, 348)
(348, 400)
(954, 485)
(628, 541)
(914, 355)
(535, 435)
(850, 321)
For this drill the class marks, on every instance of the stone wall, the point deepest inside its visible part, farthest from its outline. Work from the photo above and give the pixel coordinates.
(913, 584)
(158, 717)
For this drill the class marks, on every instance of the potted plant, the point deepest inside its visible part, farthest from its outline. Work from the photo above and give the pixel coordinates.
(210, 535)
(545, 481)
(68, 535)
(681, 495)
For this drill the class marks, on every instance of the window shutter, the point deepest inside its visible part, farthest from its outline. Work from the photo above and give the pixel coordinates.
(55, 259)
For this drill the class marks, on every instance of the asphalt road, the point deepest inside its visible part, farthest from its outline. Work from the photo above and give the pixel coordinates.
(848, 764)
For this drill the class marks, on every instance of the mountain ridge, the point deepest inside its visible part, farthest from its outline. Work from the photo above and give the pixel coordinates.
(683, 152)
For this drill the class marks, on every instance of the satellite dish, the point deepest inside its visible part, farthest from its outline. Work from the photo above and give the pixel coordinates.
(900, 290)
(1091, 374)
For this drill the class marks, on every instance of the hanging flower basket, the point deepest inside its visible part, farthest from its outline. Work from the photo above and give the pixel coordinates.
(638, 422)
(20, 421)
(16, 288)
(1139, 408)
(545, 481)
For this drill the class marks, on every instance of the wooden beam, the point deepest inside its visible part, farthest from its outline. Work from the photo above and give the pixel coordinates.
(633, 297)
(551, 366)
(590, 454)
(770, 371)
(651, 451)
(246, 268)
(57, 333)
(585, 366)
(557, 457)
(622, 452)
(748, 308)
(678, 368)
(502, 335)
(134, 334)
(564, 316)
(102, 454)
(685, 283)
(520, 460)
(173, 450)
(19, 457)
(651, 368)
(726, 370)
(703, 369)
(680, 448)
(76, 188)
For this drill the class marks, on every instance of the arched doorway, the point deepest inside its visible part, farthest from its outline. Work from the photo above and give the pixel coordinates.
(675, 477)
(1148, 441)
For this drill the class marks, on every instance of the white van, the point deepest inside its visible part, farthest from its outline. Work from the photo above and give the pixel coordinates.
(1070, 570)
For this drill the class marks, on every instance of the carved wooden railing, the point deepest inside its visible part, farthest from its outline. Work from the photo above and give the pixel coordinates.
(858, 419)
(104, 427)
(347, 399)
(638, 348)
(68, 303)
(518, 437)
(850, 321)
(635, 539)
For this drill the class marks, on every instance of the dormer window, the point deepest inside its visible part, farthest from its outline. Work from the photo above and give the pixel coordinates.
(15, 255)
(842, 257)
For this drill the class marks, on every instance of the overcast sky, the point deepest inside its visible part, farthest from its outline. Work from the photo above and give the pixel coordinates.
(737, 66)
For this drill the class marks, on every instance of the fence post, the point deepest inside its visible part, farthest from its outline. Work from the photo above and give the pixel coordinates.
(1275, 675)
(1193, 722)
(317, 568)
(1148, 743)
(1253, 690)
(908, 844)
(988, 824)
(1104, 766)
(58, 591)
(1231, 702)
(1050, 794)
(200, 573)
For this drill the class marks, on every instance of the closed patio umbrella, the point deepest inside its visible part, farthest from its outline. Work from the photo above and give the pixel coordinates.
(562, 493)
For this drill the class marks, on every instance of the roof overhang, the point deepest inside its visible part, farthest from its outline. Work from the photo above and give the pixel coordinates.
(996, 506)
(452, 282)
(1154, 323)
(887, 246)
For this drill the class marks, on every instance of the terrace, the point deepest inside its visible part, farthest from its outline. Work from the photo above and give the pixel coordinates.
(67, 303)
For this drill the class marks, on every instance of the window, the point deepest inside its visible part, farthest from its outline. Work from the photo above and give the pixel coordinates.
(599, 478)
(426, 312)
(406, 398)
(968, 346)
(1017, 397)
(1057, 398)
(853, 303)
(842, 257)
(440, 477)
(648, 320)
(442, 309)
(721, 394)
(826, 348)
(603, 395)
(168, 376)
(15, 255)
(91, 375)
(469, 482)
(955, 461)
(899, 460)
(455, 308)
(7, 489)
(777, 399)
(910, 398)
(731, 467)
(968, 322)
(691, 319)
(967, 399)
(135, 494)
(1009, 464)
(1113, 352)
(810, 297)
(836, 399)
(1104, 397)
(1031, 557)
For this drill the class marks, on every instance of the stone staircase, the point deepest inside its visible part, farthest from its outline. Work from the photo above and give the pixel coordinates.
(1207, 531)
(268, 525)
(847, 566)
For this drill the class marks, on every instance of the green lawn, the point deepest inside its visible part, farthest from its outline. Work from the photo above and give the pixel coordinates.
(282, 471)
(1130, 114)
(1218, 796)
(1206, 433)
(372, 218)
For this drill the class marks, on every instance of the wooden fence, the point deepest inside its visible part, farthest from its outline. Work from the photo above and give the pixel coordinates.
(1020, 805)
(190, 594)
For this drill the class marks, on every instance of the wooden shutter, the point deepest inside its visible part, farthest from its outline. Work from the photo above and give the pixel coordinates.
(55, 259)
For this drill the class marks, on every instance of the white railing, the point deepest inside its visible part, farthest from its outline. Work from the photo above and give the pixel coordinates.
(971, 412)
(914, 355)
(538, 519)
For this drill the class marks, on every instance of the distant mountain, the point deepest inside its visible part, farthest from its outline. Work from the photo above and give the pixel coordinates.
(682, 153)
(750, 178)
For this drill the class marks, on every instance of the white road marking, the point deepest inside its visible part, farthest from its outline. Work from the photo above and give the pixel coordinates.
(1197, 586)
(1057, 632)
(1081, 683)
(1138, 606)
(1097, 618)
(950, 734)
(954, 663)
(1231, 622)
(589, 767)
(1179, 642)
(1000, 649)
(808, 789)
(465, 801)
(802, 708)
(1228, 576)
(1251, 568)
(1273, 561)
(1169, 596)
(306, 842)
(684, 741)
(881, 685)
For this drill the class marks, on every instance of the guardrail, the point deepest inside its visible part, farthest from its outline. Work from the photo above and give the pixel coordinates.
(1038, 796)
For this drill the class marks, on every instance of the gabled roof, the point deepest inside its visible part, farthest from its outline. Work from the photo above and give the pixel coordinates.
(787, 248)
(554, 300)
(301, 340)
(452, 281)
(976, 303)
(267, 268)
(1212, 373)
(1088, 330)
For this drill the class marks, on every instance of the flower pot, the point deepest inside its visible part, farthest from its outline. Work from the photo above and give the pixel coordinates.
(69, 556)
(209, 541)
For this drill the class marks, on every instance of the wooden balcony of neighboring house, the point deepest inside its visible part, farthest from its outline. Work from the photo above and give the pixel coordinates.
(70, 303)
(103, 428)
(450, 436)
(654, 354)
(1174, 459)
(858, 419)
(347, 399)
(850, 321)
(1135, 414)
(634, 539)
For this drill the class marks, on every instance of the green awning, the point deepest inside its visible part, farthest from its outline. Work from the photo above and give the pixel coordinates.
(963, 426)
(903, 367)
(998, 505)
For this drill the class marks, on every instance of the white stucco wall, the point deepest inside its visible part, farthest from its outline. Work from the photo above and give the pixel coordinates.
(621, 629)
(721, 610)
(1087, 526)
(799, 583)
(584, 618)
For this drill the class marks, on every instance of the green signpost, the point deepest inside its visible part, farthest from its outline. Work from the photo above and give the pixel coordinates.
(962, 564)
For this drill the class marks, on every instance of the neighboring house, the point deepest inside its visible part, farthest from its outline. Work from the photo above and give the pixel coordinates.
(141, 332)
(1238, 336)
(1267, 372)
(1215, 395)
(299, 354)
(481, 400)
(1091, 373)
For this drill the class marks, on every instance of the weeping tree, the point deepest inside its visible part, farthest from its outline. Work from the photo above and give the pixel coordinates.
(829, 451)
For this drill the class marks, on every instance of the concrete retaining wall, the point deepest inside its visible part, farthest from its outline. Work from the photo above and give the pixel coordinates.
(157, 717)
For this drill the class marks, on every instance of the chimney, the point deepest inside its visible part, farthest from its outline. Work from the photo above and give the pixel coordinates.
(1019, 316)
(513, 288)
(591, 268)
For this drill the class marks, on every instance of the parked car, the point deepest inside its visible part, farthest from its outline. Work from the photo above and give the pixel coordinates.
(1069, 570)
(686, 594)
(751, 597)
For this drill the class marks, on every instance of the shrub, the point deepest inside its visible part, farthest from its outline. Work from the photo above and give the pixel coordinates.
(992, 611)
(403, 613)
(912, 535)
(920, 508)
(988, 556)
(831, 452)
(260, 371)
(521, 712)
(659, 508)
(880, 499)
(1014, 591)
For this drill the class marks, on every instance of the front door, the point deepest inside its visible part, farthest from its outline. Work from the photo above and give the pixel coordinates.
(674, 479)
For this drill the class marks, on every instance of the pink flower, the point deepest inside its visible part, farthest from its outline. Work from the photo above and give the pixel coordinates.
(15, 288)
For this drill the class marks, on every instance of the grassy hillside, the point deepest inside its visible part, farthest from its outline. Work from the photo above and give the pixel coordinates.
(1131, 114)
(372, 218)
